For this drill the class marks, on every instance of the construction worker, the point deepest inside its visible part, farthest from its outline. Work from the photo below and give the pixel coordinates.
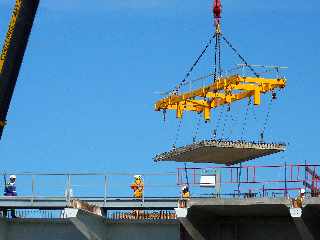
(185, 193)
(137, 186)
(300, 198)
(10, 190)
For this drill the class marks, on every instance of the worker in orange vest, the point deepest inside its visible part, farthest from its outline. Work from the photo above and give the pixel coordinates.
(137, 186)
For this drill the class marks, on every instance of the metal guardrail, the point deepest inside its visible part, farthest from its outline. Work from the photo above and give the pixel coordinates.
(235, 182)
(82, 185)
(108, 204)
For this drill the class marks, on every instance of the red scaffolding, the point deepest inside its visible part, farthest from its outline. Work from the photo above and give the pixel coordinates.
(275, 180)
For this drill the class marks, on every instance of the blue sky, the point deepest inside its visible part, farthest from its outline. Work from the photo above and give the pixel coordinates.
(85, 94)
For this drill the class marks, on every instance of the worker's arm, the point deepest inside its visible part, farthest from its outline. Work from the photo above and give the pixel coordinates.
(13, 51)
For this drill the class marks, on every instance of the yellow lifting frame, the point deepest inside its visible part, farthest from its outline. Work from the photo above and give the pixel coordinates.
(224, 91)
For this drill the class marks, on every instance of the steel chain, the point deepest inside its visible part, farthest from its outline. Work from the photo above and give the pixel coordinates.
(177, 134)
(176, 89)
(242, 59)
(266, 120)
(194, 139)
(245, 119)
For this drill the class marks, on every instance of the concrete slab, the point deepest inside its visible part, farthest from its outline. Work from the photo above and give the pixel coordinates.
(220, 152)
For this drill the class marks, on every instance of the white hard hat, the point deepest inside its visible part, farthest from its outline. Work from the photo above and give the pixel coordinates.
(137, 176)
(302, 190)
(12, 177)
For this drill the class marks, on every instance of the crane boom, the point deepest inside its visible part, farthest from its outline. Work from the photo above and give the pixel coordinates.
(13, 50)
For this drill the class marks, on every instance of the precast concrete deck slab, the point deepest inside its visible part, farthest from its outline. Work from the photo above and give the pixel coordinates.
(220, 152)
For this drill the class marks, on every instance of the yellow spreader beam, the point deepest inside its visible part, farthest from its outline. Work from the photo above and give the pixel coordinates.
(225, 90)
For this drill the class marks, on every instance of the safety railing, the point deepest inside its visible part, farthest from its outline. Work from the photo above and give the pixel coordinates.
(251, 181)
(91, 185)
(233, 181)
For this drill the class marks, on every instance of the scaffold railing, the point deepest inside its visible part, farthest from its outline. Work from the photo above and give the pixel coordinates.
(258, 180)
(232, 181)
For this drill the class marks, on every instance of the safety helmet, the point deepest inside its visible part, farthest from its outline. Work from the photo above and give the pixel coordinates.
(12, 177)
(137, 176)
(185, 188)
(302, 191)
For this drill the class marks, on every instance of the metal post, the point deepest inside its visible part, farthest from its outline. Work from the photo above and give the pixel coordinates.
(33, 188)
(144, 180)
(105, 189)
(305, 172)
(285, 180)
(68, 188)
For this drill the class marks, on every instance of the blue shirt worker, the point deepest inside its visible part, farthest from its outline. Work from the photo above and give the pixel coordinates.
(11, 189)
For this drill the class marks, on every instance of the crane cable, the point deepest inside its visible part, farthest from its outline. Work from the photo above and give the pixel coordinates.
(196, 132)
(242, 58)
(245, 119)
(177, 134)
(274, 97)
(178, 86)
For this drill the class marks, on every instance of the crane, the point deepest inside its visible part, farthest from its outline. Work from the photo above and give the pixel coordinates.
(13, 50)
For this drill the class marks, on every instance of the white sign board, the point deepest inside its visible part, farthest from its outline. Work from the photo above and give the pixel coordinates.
(208, 181)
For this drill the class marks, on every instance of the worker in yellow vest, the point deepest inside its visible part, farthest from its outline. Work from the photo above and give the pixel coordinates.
(137, 186)
(300, 198)
(185, 193)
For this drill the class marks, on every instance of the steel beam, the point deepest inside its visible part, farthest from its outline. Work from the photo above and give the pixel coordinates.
(109, 204)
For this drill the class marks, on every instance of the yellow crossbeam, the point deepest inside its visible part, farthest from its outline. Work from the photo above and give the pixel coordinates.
(225, 90)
